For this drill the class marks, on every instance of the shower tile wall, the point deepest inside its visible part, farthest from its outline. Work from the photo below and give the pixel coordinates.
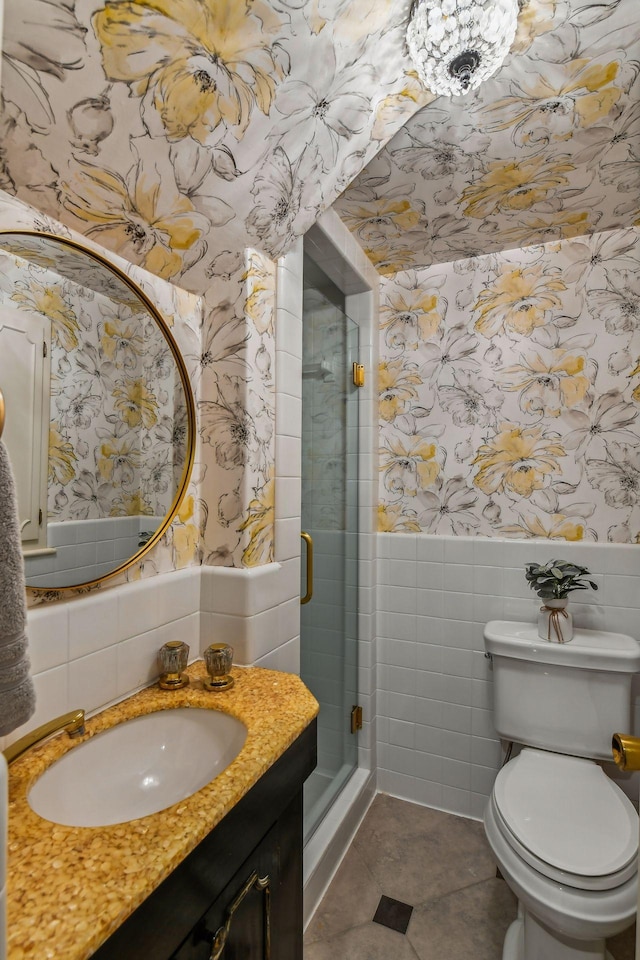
(436, 740)
(323, 420)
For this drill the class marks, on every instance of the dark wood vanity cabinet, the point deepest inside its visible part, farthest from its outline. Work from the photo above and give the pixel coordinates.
(264, 917)
(243, 882)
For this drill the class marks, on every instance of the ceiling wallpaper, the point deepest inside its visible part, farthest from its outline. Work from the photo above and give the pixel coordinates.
(177, 132)
(547, 149)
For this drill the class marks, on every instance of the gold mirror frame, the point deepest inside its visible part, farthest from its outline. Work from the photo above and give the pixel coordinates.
(186, 386)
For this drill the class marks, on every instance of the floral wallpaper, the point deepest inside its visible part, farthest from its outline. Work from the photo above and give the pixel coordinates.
(198, 139)
(118, 418)
(176, 132)
(549, 148)
(181, 546)
(227, 340)
(510, 393)
(234, 380)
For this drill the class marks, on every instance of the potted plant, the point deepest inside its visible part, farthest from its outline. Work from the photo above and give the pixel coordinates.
(553, 582)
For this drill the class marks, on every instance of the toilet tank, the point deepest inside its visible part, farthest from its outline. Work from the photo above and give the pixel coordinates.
(565, 697)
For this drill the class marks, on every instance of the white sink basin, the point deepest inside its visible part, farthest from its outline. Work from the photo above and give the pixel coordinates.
(138, 767)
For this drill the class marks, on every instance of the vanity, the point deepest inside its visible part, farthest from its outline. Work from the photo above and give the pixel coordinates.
(216, 876)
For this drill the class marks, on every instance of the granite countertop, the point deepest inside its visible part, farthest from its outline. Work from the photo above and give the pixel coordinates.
(69, 888)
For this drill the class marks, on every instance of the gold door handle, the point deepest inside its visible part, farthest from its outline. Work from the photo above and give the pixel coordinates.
(309, 542)
(626, 751)
(2, 413)
(222, 933)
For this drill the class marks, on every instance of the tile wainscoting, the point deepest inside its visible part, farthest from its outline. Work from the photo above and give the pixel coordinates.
(93, 650)
(85, 550)
(256, 610)
(436, 741)
(90, 651)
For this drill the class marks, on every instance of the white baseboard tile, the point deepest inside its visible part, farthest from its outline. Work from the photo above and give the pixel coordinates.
(325, 850)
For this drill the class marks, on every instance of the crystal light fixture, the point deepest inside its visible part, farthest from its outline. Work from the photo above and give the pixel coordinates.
(456, 44)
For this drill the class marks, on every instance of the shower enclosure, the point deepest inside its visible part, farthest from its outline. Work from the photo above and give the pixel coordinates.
(329, 620)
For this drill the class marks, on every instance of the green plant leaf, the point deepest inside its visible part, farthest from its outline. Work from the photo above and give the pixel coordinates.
(556, 579)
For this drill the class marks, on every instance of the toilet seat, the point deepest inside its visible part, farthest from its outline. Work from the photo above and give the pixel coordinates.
(579, 914)
(567, 820)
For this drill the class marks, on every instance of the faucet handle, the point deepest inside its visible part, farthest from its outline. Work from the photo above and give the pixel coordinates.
(218, 658)
(172, 660)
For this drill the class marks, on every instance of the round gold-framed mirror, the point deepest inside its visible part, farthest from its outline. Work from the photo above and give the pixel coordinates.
(99, 411)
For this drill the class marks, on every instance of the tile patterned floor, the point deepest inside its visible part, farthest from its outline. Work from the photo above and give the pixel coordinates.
(440, 865)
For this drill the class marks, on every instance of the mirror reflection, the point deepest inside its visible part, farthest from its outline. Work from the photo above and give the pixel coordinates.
(98, 411)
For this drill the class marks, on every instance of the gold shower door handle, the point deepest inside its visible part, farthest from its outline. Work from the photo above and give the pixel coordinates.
(309, 542)
(2, 412)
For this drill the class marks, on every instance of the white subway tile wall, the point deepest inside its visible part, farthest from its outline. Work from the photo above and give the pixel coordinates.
(89, 651)
(256, 610)
(426, 678)
(85, 550)
(436, 740)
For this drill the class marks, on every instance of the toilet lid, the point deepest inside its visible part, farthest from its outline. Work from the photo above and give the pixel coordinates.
(567, 813)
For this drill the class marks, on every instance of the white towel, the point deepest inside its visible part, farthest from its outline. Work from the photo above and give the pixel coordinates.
(17, 696)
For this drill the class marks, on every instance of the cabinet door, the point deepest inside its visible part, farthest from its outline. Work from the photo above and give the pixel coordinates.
(258, 916)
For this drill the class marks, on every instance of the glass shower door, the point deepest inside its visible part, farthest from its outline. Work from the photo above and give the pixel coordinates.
(329, 622)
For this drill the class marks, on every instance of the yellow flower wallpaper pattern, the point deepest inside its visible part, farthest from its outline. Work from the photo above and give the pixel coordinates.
(519, 416)
(517, 460)
(115, 350)
(227, 340)
(547, 149)
(199, 140)
(175, 131)
(207, 65)
(231, 361)
(106, 459)
(518, 300)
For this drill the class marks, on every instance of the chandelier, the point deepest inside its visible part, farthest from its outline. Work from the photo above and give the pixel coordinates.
(456, 44)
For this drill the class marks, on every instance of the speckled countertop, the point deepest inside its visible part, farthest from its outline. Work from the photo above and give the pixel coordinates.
(70, 887)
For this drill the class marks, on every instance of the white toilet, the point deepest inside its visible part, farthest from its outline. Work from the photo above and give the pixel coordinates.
(564, 835)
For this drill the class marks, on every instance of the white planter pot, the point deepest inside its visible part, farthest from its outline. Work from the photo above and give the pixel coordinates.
(555, 623)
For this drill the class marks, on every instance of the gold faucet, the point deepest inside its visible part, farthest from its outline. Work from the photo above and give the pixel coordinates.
(72, 722)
